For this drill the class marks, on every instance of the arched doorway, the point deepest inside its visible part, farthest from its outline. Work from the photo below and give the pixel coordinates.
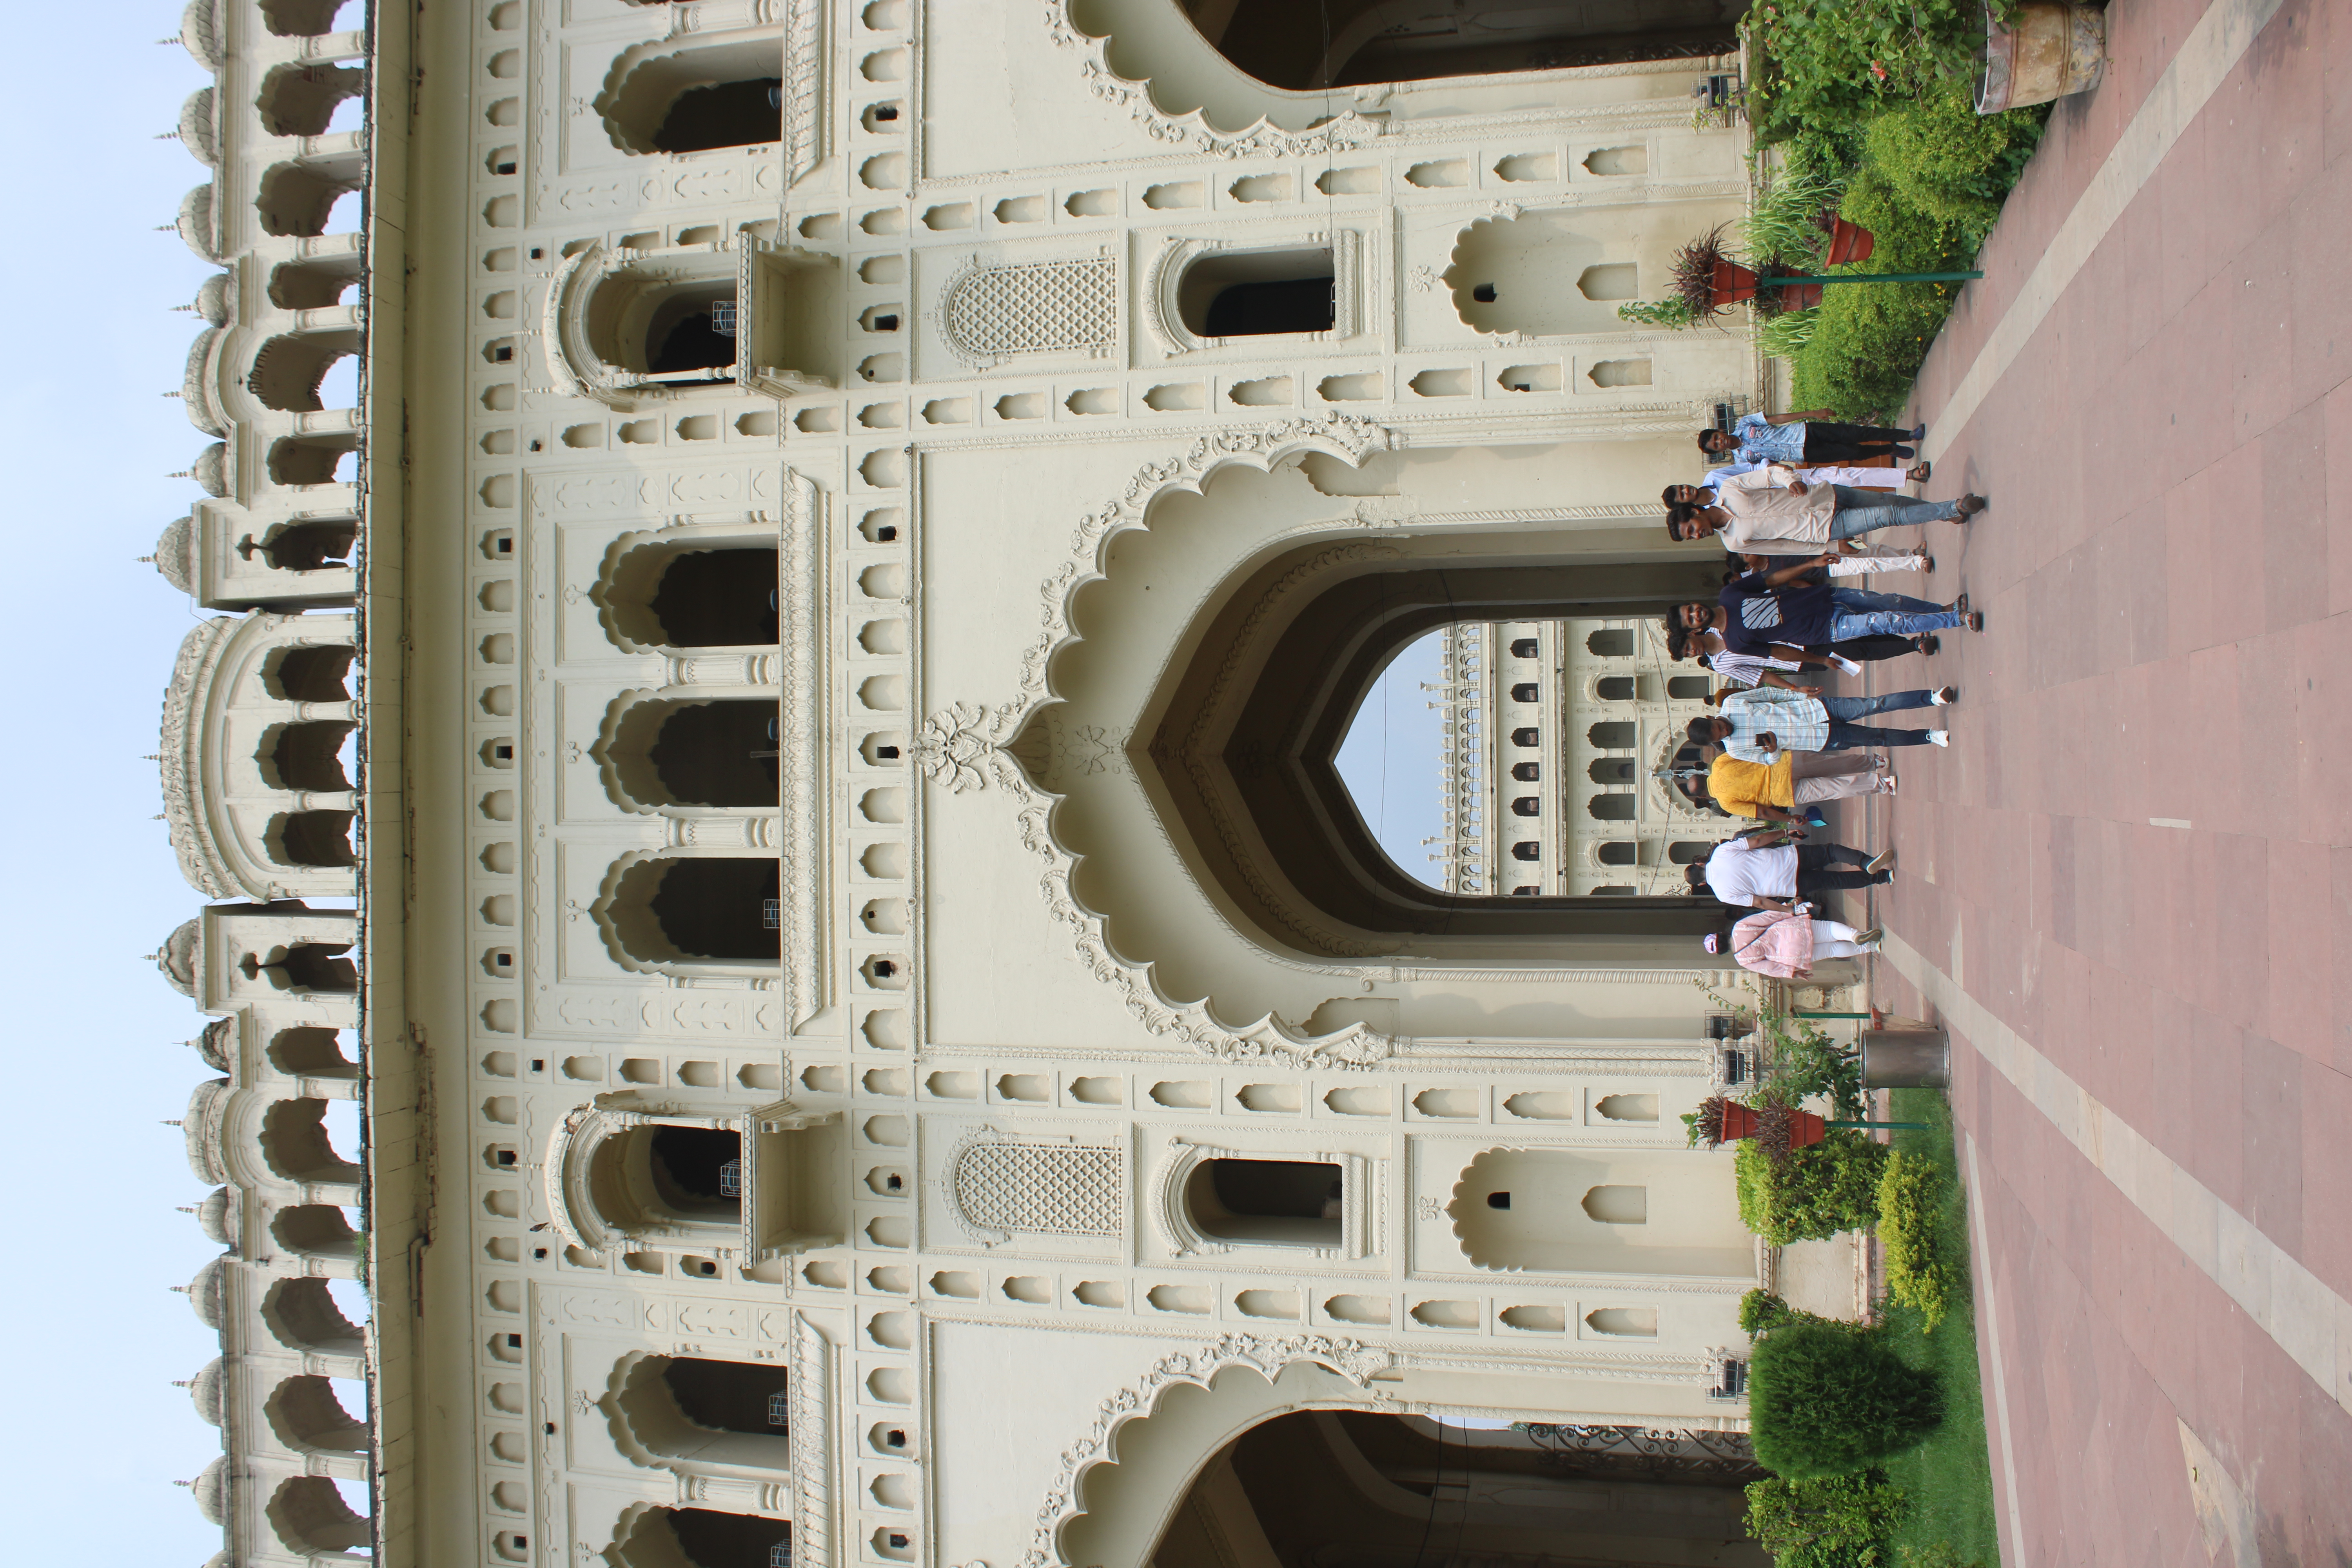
(1349, 1488)
(1345, 43)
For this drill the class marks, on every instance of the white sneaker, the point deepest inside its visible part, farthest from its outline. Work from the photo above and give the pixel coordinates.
(1943, 696)
(1868, 946)
(1939, 737)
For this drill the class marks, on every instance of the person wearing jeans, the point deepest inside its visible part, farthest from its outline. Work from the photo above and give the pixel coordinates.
(1762, 608)
(1772, 507)
(1809, 435)
(1758, 725)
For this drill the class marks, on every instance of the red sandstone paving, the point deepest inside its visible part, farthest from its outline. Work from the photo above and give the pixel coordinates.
(2167, 578)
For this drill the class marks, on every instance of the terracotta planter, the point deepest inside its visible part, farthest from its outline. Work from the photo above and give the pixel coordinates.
(1849, 242)
(1732, 283)
(2053, 48)
(1805, 1129)
(1740, 1121)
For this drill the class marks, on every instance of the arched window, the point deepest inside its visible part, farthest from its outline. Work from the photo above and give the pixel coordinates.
(1618, 852)
(682, 1175)
(299, 98)
(714, 752)
(1527, 772)
(309, 674)
(1527, 849)
(1257, 293)
(1611, 642)
(305, 966)
(1616, 735)
(320, 1231)
(1526, 691)
(669, 594)
(697, 907)
(1610, 771)
(695, 99)
(1526, 806)
(1614, 689)
(1525, 648)
(312, 1519)
(287, 371)
(312, 838)
(1617, 805)
(305, 546)
(1686, 687)
(635, 327)
(1287, 1202)
(297, 197)
(295, 1145)
(306, 756)
(702, 1538)
(307, 1418)
(696, 1414)
(1685, 852)
(304, 1317)
(1528, 736)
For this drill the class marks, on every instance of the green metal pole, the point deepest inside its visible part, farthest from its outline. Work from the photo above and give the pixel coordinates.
(1906, 1126)
(1869, 278)
(1801, 1013)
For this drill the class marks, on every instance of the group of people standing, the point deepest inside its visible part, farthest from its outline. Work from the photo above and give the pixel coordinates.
(1792, 523)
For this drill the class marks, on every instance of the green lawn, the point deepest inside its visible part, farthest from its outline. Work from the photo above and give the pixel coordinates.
(1949, 1476)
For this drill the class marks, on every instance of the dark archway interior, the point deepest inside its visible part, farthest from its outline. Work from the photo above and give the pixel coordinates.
(314, 838)
(719, 754)
(684, 332)
(309, 756)
(308, 546)
(730, 1395)
(718, 598)
(1348, 42)
(713, 1539)
(317, 966)
(690, 1170)
(722, 907)
(1281, 749)
(1253, 293)
(1293, 1202)
(724, 114)
(1352, 1488)
(311, 674)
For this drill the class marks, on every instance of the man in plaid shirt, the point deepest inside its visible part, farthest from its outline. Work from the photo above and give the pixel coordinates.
(1757, 726)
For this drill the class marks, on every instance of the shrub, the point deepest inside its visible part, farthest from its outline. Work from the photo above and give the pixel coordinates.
(1761, 1312)
(1943, 160)
(1781, 336)
(1671, 313)
(1919, 1274)
(1805, 1062)
(1831, 62)
(1826, 1523)
(1827, 1398)
(1814, 1194)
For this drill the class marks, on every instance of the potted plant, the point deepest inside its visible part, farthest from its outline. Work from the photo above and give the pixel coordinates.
(2044, 51)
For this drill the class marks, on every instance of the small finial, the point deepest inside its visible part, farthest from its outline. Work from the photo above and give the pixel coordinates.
(175, 395)
(179, 1289)
(157, 818)
(184, 1208)
(170, 1123)
(167, 228)
(144, 560)
(191, 309)
(169, 136)
(183, 1382)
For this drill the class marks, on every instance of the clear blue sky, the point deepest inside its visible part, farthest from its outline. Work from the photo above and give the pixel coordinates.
(1388, 760)
(96, 1432)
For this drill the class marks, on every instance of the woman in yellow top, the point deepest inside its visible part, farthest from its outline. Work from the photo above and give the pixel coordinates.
(1773, 791)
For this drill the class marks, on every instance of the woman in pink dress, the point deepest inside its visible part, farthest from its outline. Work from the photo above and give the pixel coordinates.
(1783, 943)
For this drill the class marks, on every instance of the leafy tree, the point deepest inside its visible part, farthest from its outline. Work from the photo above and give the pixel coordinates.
(1827, 1398)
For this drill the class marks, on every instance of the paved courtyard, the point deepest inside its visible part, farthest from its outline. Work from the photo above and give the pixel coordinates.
(2127, 886)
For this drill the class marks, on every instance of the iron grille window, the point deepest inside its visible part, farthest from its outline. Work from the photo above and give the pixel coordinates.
(771, 913)
(730, 1179)
(780, 1555)
(1731, 1383)
(722, 318)
(779, 1414)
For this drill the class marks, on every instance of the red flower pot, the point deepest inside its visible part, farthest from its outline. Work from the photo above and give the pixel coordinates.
(1849, 242)
(1732, 283)
(1740, 1121)
(1805, 1129)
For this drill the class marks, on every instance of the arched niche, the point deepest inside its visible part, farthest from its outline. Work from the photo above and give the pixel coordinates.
(1214, 1200)
(303, 1315)
(1207, 293)
(659, 751)
(691, 588)
(631, 327)
(1553, 271)
(747, 1185)
(1583, 1211)
(702, 1417)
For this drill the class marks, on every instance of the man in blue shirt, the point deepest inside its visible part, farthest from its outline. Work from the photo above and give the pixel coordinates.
(1809, 436)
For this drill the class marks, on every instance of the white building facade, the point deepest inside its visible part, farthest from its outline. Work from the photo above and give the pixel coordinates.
(816, 659)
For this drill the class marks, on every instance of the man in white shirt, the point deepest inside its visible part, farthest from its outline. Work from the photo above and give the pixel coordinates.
(1770, 868)
(1773, 513)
